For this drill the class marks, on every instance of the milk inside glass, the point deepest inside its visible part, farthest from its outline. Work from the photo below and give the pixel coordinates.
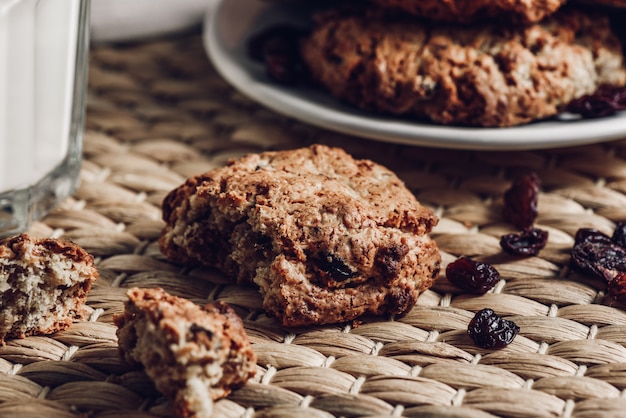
(43, 59)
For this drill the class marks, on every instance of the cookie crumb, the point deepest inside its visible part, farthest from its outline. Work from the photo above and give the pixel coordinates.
(194, 354)
(43, 285)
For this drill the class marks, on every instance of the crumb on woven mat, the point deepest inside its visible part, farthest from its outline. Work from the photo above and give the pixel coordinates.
(194, 354)
(325, 237)
(43, 285)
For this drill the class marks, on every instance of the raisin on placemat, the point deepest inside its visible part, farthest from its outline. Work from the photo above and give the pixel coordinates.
(528, 242)
(472, 276)
(591, 235)
(603, 257)
(619, 235)
(520, 201)
(598, 256)
(521, 209)
(488, 330)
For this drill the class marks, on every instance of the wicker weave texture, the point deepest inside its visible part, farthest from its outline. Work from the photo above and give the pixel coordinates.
(158, 113)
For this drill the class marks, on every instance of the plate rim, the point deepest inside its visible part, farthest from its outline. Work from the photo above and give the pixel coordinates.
(292, 103)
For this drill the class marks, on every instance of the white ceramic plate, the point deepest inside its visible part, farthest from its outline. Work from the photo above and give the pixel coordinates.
(229, 24)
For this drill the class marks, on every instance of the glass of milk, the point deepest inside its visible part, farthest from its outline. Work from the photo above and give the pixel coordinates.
(43, 72)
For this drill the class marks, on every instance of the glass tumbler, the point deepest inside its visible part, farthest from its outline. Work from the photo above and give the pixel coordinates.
(44, 48)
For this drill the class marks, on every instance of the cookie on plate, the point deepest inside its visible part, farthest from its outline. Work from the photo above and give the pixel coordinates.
(485, 75)
(324, 236)
(194, 354)
(472, 10)
(43, 285)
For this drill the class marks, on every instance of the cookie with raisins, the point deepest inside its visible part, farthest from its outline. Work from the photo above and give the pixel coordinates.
(487, 75)
(325, 237)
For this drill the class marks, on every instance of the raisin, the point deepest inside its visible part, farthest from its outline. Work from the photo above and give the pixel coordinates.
(520, 201)
(601, 259)
(616, 94)
(528, 242)
(273, 39)
(591, 235)
(388, 260)
(591, 107)
(606, 101)
(277, 47)
(619, 235)
(334, 266)
(488, 330)
(472, 276)
(282, 69)
(401, 300)
(195, 329)
(617, 287)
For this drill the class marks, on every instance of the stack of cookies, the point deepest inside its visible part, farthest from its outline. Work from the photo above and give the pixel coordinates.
(485, 63)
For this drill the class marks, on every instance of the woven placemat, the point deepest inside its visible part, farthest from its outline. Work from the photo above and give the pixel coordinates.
(158, 113)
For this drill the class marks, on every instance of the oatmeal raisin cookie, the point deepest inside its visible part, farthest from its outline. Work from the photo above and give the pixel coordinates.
(325, 237)
(489, 75)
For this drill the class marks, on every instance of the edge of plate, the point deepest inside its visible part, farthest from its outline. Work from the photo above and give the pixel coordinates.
(535, 136)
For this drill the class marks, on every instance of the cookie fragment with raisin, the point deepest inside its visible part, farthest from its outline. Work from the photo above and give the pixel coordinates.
(325, 237)
(194, 354)
(44, 284)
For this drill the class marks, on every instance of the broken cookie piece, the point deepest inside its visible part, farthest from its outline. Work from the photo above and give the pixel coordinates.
(325, 237)
(43, 285)
(194, 354)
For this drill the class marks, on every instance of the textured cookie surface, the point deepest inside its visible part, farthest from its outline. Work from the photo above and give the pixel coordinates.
(485, 75)
(326, 237)
(43, 285)
(194, 354)
(471, 10)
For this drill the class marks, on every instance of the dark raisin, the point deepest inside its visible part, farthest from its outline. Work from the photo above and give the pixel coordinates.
(617, 287)
(278, 48)
(616, 94)
(273, 39)
(528, 242)
(196, 329)
(619, 235)
(263, 246)
(601, 259)
(401, 300)
(592, 106)
(282, 69)
(472, 276)
(388, 260)
(488, 330)
(520, 201)
(606, 101)
(334, 266)
(591, 235)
